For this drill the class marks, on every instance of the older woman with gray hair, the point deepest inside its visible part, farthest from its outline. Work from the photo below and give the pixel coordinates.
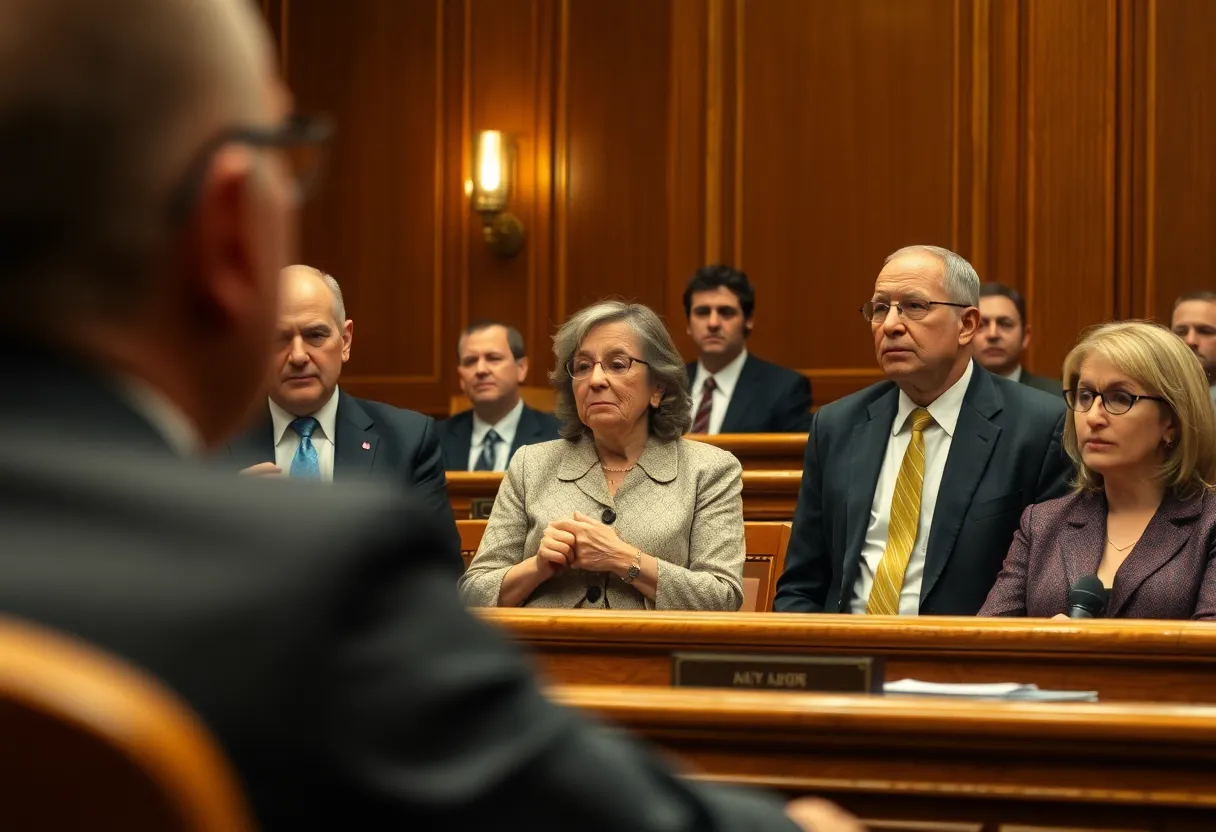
(621, 512)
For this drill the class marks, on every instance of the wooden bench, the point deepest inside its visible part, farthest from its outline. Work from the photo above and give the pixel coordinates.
(767, 495)
(987, 766)
(760, 451)
(766, 546)
(1149, 661)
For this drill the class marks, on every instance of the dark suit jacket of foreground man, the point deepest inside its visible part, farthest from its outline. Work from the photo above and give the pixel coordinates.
(326, 651)
(1006, 453)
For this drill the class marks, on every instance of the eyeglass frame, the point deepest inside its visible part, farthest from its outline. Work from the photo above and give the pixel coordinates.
(632, 361)
(1070, 398)
(297, 129)
(899, 307)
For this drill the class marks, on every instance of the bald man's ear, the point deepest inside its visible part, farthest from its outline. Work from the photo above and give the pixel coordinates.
(969, 325)
(229, 274)
(348, 336)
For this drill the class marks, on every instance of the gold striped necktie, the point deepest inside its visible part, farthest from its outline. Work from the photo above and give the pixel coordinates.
(903, 522)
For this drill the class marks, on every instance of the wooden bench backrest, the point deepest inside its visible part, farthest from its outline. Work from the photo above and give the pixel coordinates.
(767, 495)
(537, 398)
(766, 547)
(90, 742)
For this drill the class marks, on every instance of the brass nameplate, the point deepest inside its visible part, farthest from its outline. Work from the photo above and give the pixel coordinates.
(479, 508)
(823, 674)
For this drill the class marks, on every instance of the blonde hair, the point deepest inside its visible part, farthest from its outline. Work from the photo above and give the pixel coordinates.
(1158, 360)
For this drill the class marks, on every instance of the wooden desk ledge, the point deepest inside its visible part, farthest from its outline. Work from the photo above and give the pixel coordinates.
(1080, 729)
(774, 632)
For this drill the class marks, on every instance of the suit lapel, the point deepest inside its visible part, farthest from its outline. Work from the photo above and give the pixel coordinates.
(1163, 538)
(460, 432)
(869, 443)
(525, 431)
(740, 398)
(970, 449)
(1079, 546)
(356, 442)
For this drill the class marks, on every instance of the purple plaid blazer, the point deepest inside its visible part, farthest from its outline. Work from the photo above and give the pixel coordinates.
(1169, 573)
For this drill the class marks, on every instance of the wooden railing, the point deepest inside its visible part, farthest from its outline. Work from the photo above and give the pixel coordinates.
(925, 763)
(1152, 661)
(767, 495)
(760, 451)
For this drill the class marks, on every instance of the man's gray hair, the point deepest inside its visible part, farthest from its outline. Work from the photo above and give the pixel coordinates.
(959, 280)
(673, 417)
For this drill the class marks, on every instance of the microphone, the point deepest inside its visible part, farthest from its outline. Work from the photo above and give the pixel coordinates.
(1087, 598)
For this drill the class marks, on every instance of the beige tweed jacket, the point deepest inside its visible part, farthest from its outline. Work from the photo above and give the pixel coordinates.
(682, 504)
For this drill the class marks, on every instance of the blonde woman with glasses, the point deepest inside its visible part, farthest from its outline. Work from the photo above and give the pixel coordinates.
(1142, 516)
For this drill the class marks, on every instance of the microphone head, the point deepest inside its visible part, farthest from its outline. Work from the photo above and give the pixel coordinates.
(1088, 594)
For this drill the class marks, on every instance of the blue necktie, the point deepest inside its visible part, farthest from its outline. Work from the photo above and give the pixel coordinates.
(488, 457)
(305, 463)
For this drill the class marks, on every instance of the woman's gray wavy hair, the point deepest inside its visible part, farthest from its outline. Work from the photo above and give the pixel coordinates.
(673, 417)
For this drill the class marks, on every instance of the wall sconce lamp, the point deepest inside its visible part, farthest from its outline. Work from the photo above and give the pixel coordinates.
(493, 172)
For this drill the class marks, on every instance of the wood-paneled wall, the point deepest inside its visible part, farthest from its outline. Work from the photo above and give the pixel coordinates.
(1067, 147)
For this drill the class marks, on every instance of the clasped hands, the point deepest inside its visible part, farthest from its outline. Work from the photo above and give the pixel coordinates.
(582, 543)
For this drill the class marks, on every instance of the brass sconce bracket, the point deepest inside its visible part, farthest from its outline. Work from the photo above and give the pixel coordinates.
(504, 233)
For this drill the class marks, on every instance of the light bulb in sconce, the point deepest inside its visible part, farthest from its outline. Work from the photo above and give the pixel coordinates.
(493, 172)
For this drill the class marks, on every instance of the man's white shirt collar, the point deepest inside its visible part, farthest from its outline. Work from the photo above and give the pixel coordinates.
(724, 380)
(166, 418)
(944, 409)
(326, 416)
(1016, 374)
(506, 427)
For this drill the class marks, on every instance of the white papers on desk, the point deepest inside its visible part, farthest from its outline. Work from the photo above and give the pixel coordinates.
(1011, 691)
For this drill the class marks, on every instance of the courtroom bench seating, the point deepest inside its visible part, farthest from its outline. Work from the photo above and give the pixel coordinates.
(766, 544)
(760, 451)
(1150, 661)
(989, 765)
(540, 398)
(91, 742)
(767, 495)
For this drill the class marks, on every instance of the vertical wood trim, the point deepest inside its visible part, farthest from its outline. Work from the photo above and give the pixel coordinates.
(981, 43)
(530, 246)
(466, 158)
(714, 66)
(737, 254)
(561, 153)
(284, 48)
(1112, 132)
(1150, 165)
(440, 171)
(955, 143)
(1025, 37)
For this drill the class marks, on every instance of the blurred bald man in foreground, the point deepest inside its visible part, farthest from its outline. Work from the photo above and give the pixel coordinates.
(143, 223)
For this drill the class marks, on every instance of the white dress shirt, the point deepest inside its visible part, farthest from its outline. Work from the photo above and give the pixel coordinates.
(1016, 375)
(164, 416)
(725, 379)
(506, 428)
(287, 441)
(938, 436)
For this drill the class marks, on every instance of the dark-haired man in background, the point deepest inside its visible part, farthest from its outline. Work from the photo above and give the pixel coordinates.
(732, 390)
(1004, 334)
(1194, 321)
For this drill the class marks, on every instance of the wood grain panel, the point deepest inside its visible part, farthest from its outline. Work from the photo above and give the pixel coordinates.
(376, 66)
(1070, 174)
(614, 99)
(1178, 243)
(849, 150)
